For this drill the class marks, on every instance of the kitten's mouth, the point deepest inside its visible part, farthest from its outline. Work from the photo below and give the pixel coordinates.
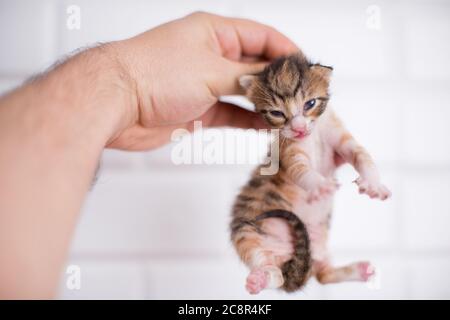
(301, 135)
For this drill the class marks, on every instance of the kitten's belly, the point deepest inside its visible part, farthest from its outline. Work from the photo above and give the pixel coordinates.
(322, 161)
(316, 218)
(316, 213)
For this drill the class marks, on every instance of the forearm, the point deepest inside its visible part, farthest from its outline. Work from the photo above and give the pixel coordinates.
(303, 175)
(357, 156)
(364, 164)
(52, 132)
(298, 168)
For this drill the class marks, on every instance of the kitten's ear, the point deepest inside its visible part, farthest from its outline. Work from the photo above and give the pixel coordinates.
(324, 71)
(246, 80)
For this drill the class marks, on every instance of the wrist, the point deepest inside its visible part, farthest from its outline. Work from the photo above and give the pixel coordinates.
(133, 57)
(91, 93)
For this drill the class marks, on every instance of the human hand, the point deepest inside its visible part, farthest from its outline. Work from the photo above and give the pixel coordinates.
(128, 94)
(176, 72)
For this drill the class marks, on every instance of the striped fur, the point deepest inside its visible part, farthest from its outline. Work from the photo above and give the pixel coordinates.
(297, 269)
(266, 197)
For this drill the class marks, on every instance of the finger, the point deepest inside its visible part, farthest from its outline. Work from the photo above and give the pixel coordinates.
(230, 72)
(138, 138)
(242, 37)
(224, 114)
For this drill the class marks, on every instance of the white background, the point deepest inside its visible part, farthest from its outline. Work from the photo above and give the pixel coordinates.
(150, 229)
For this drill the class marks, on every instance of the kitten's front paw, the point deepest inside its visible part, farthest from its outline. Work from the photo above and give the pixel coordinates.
(374, 189)
(322, 189)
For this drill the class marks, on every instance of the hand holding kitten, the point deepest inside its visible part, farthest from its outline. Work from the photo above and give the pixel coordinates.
(178, 71)
(129, 94)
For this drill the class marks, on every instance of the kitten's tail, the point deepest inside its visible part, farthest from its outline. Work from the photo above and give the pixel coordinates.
(295, 271)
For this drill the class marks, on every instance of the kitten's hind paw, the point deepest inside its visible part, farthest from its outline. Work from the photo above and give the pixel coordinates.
(374, 189)
(366, 270)
(257, 280)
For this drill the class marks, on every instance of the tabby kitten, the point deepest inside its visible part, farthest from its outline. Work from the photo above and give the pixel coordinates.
(280, 222)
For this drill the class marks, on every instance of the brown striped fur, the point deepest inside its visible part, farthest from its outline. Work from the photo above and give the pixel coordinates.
(261, 196)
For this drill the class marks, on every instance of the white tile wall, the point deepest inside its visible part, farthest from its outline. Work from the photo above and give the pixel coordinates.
(425, 128)
(367, 224)
(426, 218)
(334, 33)
(428, 278)
(425, 60)
(153, 230)
(165, 213)
(370, 110)
(28, 35)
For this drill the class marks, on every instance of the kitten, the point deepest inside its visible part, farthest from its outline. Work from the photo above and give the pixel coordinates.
(280, 222)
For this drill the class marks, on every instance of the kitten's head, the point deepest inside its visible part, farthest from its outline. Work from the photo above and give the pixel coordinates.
(290, 93)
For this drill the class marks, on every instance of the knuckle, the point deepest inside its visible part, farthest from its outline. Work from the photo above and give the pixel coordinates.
(199, 15)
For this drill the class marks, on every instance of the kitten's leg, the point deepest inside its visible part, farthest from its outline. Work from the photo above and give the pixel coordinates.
(369, 180)
(324, 271)
(358, 271)
(264, 270)
(265, 277)
(264, 254)
(299, 169)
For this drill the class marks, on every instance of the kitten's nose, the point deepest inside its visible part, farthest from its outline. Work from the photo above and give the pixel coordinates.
(298, 124)
(299, 132)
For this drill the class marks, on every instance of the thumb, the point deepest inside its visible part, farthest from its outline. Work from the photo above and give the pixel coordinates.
(227, 82)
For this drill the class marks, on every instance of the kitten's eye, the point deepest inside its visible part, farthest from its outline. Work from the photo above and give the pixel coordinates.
(310, 104)
(277, 114)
